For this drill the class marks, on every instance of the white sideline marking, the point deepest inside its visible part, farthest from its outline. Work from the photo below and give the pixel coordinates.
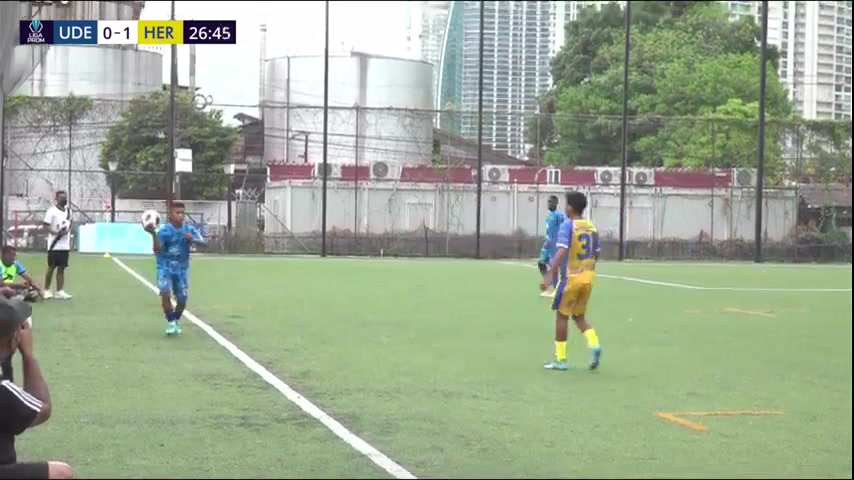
(630, 263)
(695, 287)
(340, 431)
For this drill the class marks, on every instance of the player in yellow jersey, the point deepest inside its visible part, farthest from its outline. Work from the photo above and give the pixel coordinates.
(575, 261)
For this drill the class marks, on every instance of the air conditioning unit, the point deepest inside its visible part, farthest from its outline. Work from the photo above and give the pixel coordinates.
(607, 176)
(495, 174)
(333, 171)
(641, 176)
(385, 170)
(743, 177)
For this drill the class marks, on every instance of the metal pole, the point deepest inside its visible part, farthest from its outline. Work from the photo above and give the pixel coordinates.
(479, 131)
(288, 115)
(621, 252)
(714, 184)
(325, 129)
(112, 197)
(173, 86)
(537, 183)
(760, 166)
(356, 182)
(2, 168)
(228, 199)
(70, 154)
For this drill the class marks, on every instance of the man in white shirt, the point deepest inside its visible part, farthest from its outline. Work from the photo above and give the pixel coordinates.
(57, 220)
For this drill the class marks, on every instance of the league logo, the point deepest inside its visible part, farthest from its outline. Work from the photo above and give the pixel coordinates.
(35, 35)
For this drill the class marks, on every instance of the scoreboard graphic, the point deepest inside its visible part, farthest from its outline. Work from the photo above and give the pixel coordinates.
(128, 32)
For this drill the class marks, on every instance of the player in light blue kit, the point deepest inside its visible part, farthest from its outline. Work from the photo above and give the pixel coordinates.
(553, 222)
(172, 245)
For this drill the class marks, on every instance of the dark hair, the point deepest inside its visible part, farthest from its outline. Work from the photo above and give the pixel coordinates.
(175, 205)
(59, 192)
(577, 201)
(9, 249)
(553, 197)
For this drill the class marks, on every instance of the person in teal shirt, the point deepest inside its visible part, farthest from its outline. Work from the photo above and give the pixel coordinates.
(554, 219)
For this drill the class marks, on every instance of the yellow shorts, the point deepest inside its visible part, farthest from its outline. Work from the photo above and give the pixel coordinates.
(572, 300)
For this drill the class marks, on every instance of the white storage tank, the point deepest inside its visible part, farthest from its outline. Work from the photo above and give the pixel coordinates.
(40, 156)
(380, 109)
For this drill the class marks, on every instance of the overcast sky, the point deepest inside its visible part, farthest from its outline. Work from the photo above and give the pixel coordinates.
(230, 73)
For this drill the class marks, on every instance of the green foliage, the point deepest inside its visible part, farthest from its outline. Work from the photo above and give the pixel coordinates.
(46, 112)
(138, 143)
(827, 147)
(693, 90)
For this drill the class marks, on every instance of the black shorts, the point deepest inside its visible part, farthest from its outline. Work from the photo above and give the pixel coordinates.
(25, 471)
(57, 258)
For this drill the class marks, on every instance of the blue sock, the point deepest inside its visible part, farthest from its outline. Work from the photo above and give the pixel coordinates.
(176, 316)
(170, 316)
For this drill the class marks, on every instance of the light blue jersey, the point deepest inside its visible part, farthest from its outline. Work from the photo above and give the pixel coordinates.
(553, 223)
(173, 259)
(174, 254)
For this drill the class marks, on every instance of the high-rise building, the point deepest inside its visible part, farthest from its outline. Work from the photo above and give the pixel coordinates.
(518, 44)
(428, 21)
(814, 41)
(815, 51)
(813, 38)
(520, 37)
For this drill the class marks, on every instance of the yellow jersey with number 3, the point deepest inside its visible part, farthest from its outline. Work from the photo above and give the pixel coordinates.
(581, 239)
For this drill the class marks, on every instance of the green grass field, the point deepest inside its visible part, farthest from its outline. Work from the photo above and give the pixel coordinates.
(438, 365)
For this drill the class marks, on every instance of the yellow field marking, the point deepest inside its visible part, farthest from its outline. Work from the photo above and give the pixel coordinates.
(676, 417)
(758, 313)
(672, 417)
(768, 312)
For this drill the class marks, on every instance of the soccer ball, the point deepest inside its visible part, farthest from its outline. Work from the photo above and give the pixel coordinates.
(150, 219)
(64, 224)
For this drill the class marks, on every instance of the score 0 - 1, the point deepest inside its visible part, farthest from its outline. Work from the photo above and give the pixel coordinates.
(117, 32)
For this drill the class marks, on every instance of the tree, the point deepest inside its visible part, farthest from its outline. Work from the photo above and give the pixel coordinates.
(688, 61)
(724, 138)
(44, 135)
(827, 151)
(48, 112)
(138, 143)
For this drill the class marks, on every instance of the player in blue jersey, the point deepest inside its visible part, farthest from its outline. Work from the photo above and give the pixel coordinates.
(553, 222)
(172, 244)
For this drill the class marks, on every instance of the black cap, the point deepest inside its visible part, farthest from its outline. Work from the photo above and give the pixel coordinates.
(13, 314)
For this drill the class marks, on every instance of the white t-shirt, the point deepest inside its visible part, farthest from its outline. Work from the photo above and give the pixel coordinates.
(53, 217)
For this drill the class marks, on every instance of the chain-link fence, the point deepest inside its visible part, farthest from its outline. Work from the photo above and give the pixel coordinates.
(404, 182)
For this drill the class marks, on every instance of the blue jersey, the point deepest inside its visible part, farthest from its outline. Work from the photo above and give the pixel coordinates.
(174, 254)
(553, 222)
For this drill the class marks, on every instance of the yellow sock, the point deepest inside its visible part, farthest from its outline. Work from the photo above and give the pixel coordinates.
(560, 351)
(592, 339)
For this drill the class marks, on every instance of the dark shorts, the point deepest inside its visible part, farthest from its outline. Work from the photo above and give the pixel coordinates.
(25, 471)
(57, 258)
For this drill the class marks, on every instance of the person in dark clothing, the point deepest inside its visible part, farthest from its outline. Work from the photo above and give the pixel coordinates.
(22, 408)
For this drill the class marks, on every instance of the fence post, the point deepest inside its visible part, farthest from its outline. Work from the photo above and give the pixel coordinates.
(356, 179)
(714, 180)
